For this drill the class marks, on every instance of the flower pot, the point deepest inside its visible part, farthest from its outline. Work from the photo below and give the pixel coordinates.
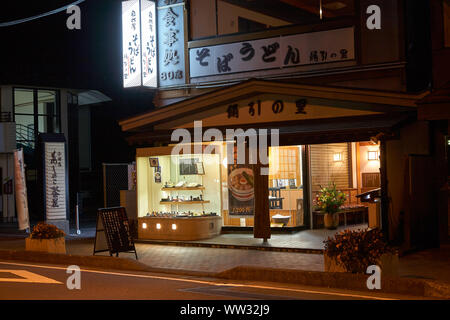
(331, 221)
(57, 245)
(388, 263)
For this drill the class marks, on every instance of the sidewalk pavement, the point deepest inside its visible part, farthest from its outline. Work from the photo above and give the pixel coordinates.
(425, 273)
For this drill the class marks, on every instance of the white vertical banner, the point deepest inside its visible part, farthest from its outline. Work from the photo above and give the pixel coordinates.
(55, 181)
(131, 43)
(149, 45)
(21, 191)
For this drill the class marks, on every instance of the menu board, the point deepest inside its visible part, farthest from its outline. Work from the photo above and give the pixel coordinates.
(241, 192)
(113, 232)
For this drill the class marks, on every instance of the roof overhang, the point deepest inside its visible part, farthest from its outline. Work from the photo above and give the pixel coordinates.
(436, 105)
(334, 96)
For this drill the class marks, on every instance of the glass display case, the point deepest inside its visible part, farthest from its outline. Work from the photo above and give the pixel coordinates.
(179, 196)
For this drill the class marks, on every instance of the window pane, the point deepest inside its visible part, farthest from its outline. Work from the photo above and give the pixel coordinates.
(47, 124)
(43, 124)
(235, 16)
(47, 102)
(24, 127)
(23, 101)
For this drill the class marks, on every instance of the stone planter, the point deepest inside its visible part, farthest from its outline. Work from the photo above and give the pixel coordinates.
(57, 245)
(331, 220)
(388, 264)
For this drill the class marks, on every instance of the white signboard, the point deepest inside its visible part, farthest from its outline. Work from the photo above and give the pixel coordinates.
(148, 34)
(171, 44)
(55, 181)
(131, 44)
(278, 52)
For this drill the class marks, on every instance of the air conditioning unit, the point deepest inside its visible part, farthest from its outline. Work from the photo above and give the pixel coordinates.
(7, 136)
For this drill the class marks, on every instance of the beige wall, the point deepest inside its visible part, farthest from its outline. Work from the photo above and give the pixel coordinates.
(202, 19)
(367, 166)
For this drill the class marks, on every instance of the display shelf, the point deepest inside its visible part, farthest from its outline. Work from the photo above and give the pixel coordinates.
(183, 188)
(184, 202)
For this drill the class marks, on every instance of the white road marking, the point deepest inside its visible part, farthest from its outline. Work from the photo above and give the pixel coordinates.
(27, 277)
(353, 295)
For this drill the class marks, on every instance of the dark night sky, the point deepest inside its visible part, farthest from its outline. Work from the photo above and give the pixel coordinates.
(44, 52)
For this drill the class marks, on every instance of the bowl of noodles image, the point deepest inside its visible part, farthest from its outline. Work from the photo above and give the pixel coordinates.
(240, 183)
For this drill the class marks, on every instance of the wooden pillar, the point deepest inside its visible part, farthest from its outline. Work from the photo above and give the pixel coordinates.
(261, 227)
(384, 191)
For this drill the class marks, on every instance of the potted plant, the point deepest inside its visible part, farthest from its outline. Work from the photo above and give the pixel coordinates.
(353, 251)
(329, 200)
(46, 238)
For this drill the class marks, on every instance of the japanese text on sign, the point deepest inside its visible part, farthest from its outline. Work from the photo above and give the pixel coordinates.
(279, 52)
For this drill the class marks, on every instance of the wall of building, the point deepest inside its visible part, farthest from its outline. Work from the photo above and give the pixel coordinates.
(402, 180)
(202, 22)
(7, 159)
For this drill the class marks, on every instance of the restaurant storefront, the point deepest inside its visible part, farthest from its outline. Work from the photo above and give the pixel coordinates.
(325, 135)
(336, 85)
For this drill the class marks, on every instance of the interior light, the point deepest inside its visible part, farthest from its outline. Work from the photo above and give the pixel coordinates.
(174, 226)
(372, 155)
(144, 226)
(158, 226)
(337, 157)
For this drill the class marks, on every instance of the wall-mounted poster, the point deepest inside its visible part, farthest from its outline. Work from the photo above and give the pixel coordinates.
(157, 177)
(241, 192)
(154, 162)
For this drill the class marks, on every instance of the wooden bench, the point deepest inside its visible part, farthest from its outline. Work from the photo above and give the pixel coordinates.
(348, 215)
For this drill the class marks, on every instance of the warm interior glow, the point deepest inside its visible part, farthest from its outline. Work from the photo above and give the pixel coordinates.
(174, 226)
(144, 226)
(158, 226)
(372, 155)
(337, 157)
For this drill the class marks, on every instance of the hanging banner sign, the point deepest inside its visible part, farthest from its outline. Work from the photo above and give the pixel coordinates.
(171, 43)
(131, 44)
(55, 181)
(21, 191)
(149, 47)
(139, 44)
(241, 192)
(278, 52)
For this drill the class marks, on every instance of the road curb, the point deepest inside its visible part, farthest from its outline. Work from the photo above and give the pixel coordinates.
(337, 280)
(340, 280)
(104, 262)
(230, 246)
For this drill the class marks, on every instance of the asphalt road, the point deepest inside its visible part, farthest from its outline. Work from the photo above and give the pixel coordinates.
(26, 281)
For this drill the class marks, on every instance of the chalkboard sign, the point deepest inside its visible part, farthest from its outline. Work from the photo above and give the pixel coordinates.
(113, 232)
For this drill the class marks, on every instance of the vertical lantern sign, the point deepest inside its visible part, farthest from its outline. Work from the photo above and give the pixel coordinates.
(55, 181)
(131, 44)
(148, 37)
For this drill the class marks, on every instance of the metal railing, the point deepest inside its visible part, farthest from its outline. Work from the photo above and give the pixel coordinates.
(25, 135)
